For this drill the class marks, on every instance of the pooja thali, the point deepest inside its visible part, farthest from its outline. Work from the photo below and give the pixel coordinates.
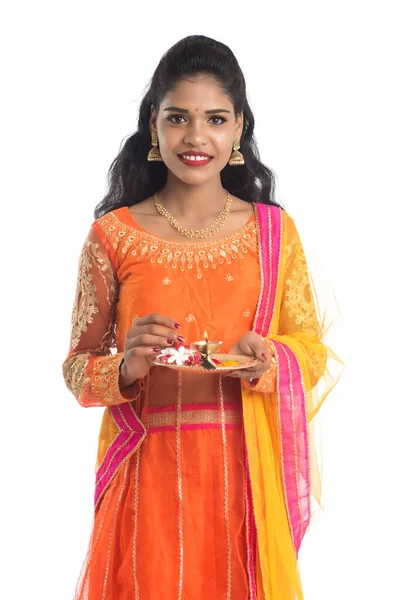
(226, 362)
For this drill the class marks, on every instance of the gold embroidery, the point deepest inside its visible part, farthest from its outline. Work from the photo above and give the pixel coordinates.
(298, 297)
(229, 277)
(74, 373)
(195, 417)
(316, 362)
(196, 257)
(86, 299)
(190, 318)
(134, 318)
(268, 380)
(247, 312)
(166, 281)
(105, 378)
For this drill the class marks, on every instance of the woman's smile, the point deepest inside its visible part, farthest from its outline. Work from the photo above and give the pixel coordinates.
(195, 159)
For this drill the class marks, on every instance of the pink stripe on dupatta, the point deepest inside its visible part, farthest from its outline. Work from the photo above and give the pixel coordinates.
(293, 426)
(269, 228)
(291, 396)
(131, 434)
(269, 222)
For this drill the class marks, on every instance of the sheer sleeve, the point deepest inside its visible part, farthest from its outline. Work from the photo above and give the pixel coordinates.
(298, 316)
(300, 325)
(304, 327)
(92, 368)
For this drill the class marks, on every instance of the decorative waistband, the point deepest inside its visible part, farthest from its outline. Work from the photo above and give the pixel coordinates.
(193, 416)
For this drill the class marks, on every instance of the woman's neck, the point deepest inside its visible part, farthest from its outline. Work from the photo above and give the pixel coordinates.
(193, 201)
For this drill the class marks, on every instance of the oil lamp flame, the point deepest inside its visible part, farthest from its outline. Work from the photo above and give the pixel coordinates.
(206, 346)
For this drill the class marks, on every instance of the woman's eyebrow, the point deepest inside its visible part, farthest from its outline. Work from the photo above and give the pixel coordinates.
(208, 112)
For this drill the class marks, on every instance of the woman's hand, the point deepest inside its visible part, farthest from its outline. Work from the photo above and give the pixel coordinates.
(251, 344)
(144, 340)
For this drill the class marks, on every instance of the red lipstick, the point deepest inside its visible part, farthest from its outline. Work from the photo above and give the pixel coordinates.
(189, 158)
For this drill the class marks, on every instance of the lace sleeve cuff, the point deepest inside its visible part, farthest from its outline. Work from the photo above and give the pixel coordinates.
(105, 381)
(268, 380)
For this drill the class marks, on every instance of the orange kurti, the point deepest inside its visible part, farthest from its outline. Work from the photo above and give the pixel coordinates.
(172, 522)
(202, 486)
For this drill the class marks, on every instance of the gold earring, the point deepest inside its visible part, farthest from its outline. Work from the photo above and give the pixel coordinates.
(236, 157)
(154, 154)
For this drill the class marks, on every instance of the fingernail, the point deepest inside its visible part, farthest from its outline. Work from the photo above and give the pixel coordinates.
(177, 326)
(264, 356)
(169, 341)
(179, 338)
(254, 381)
(156, 350)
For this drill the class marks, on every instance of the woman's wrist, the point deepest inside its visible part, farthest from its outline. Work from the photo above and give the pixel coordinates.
(266, 380)
(125, 379)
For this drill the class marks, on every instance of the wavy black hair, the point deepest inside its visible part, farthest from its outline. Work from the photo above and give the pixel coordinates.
(132, 178)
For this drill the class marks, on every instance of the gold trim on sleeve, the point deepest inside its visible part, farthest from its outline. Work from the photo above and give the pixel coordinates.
(86, 297)
(74, 373)
(105, 379)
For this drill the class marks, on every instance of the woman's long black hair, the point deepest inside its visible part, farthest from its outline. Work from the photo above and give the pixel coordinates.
(132, 178)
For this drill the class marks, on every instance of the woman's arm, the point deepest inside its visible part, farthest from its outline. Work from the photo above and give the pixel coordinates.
(298, 324)
(91, 371)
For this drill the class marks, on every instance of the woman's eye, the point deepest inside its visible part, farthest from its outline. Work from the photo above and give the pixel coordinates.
(222, 120)
(172, 117)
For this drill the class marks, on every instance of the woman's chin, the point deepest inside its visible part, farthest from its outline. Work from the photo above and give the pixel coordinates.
(194, 176)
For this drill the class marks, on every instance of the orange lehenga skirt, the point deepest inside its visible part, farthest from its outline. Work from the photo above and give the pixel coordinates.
(172, 524)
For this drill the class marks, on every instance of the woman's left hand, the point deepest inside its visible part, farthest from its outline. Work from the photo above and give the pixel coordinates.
(251, 344)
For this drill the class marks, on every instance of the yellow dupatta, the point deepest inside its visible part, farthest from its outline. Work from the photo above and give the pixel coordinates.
(282, 459)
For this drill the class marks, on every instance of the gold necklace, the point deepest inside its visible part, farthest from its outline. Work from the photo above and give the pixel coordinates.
(207, 232)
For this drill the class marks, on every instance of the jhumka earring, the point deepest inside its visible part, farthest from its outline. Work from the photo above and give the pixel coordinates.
(154, 154)
(236, 156)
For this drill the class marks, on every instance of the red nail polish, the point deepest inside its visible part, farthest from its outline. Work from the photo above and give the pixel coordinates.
(169, 341)
(264, 356)
(179, 338)
(177, 326)
(156, 350)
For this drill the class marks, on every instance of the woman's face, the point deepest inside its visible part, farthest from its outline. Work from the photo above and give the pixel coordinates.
(196, 118)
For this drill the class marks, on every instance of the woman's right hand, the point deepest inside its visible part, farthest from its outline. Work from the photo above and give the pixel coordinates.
(144, 340)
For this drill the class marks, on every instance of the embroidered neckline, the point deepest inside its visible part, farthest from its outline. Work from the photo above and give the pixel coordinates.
(144, 246)
(173, 244)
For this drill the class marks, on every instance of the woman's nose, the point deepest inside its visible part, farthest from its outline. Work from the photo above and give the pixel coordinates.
(196, 134)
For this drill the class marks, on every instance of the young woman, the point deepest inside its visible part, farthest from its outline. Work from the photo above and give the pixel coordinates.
(203, 481)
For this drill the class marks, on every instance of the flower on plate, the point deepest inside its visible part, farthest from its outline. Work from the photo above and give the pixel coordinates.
(178, 356)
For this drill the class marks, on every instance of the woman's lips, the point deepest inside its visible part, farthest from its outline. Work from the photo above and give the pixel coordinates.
(195, 161)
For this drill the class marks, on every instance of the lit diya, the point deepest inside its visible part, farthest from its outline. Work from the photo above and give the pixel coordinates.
(206, 347)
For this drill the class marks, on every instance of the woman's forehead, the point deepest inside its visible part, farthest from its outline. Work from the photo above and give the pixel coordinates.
(202, 93)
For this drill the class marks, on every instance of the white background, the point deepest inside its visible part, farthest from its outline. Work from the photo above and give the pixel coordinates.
(322, 81)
